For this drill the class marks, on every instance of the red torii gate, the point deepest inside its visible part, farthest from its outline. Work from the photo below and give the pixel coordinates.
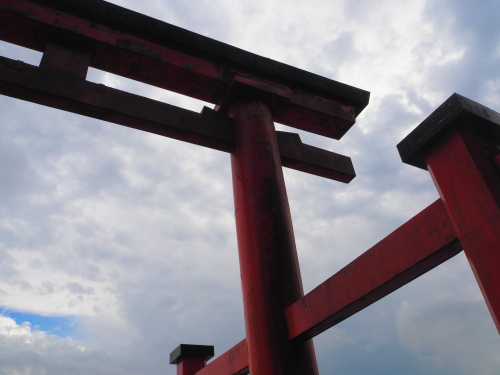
(458, 144)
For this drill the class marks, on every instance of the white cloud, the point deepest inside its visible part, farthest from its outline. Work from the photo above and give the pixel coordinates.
(24, 351)
(450, 328)
(135, 233)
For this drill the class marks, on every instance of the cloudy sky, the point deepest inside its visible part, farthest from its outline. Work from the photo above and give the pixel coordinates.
(117, 245)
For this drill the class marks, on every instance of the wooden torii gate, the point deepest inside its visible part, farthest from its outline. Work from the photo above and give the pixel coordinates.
(458, 144)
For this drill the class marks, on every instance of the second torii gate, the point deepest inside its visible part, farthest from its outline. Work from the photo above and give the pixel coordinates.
(250, 93)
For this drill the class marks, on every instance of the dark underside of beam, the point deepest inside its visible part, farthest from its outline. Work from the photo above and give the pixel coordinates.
(232, 362)
(197, 45)
(208, 128)
(141, 48)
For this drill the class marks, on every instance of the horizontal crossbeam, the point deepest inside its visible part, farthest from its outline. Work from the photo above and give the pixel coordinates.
(232, 362)
(208, 128)
(147, 50)
(419, 245)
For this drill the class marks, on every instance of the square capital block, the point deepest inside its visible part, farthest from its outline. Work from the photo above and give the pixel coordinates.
(455, 113)
(191, 351)
(293, 107)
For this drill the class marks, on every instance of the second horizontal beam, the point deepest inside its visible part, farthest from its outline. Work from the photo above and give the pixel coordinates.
(208, 128)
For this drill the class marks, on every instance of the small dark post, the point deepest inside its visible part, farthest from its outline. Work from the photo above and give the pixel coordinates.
(191, 358)
(459, 145)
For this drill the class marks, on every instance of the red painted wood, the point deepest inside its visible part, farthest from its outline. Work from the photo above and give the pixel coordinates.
(133, 55)
(305, 158)
(190, 365)
(53, 87)
(30, 24)
(294, 108)
(66, 56)
(422, 243)
(270, 273)
(470, 188)
(232, 362)
(496, 161)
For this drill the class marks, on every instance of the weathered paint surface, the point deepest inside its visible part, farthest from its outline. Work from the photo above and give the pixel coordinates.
(53, 85)
(190, 365)
(138, 55)
(270, 274)
(191, 358)
(422, 243)
(469, 186)
(232, 362)
(246, 89)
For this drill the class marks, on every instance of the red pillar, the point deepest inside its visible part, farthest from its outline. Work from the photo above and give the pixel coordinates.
(458, 144)
(469, 186)
(270, 272)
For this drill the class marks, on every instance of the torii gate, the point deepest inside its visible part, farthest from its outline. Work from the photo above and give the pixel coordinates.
(458, 144)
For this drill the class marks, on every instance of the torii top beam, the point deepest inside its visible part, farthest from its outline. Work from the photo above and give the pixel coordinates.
(135, 46)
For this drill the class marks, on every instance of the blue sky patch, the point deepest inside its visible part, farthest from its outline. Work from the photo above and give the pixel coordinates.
(62, 326)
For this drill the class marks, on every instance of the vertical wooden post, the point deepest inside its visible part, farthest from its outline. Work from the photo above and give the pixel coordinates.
(458, 144)
(191, 358)
(470, 189)
(66, 56)
(270, 272)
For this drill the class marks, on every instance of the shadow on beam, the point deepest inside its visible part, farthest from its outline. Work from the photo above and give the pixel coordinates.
(208, 128)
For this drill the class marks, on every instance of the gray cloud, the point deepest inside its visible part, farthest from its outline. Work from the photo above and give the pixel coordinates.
(135, 233)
